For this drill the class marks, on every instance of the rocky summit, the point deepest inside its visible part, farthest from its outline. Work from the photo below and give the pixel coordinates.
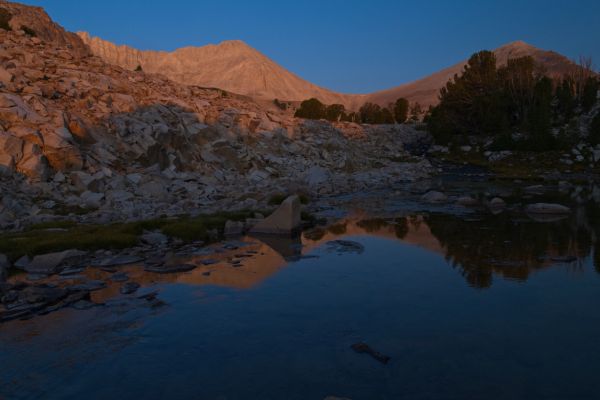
(77, 132)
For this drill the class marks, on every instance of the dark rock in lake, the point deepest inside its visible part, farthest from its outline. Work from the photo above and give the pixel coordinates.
(169, 269)
(83, 305)
(90, 286)
(129, 288)
(345, 246)
(119, 277)
(118, 260)
(27, 301)
(363, 348)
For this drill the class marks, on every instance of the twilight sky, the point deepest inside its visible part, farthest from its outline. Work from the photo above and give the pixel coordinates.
(348, 46)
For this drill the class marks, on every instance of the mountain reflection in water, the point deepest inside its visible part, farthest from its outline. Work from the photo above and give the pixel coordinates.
(479, 248)
(276, 317)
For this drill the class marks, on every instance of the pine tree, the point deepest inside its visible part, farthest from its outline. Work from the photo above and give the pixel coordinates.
(401, 110)
(311, 109)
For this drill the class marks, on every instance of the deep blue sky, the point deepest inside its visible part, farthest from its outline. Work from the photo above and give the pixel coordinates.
(348, 46)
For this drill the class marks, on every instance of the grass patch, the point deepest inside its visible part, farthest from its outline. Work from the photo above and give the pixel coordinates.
(63, 209)
(38, 240)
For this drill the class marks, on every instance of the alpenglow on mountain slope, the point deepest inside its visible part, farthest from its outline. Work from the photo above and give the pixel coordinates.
(230, 65)
(426, 90)
(236, 67)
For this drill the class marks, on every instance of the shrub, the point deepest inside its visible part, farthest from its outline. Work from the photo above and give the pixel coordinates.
(281, 105)
(335, 112)
(5, 17)
(28, 31)
(138, 68)
(311, 109)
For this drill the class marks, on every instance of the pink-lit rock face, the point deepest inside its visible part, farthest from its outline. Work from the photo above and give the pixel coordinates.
(239, 68)
(230, 65)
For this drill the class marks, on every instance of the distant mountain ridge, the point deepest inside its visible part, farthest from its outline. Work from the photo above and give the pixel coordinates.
(236, 67)
(426, 90)
(230, 65)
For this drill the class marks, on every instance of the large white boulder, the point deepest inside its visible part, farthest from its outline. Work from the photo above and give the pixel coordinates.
(284, 221)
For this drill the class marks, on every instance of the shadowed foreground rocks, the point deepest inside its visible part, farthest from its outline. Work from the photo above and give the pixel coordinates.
(96, 142)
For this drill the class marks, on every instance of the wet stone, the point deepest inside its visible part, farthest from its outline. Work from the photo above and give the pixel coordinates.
(83, 305)
(345, 246)
(119, 277)
(118, 260)
(169, 269)
(90, 286)
(129, 287)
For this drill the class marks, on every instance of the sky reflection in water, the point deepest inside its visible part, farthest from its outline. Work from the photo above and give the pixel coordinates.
(513, 317)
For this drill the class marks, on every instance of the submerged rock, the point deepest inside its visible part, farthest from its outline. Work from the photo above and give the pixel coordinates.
(363, 348)
(467, 201)
(497, 205)
(547, 208)
(170, 269)
(129, 288)
(345, 246)
(434, 197)
(284, 221)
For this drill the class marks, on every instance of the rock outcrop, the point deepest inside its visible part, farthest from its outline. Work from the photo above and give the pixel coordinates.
(80, 136)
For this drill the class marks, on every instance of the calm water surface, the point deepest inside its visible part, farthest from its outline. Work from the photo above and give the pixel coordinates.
(471, 307)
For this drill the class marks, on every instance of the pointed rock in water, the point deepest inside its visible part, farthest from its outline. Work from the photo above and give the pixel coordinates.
(363, 348)
(284, 221)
